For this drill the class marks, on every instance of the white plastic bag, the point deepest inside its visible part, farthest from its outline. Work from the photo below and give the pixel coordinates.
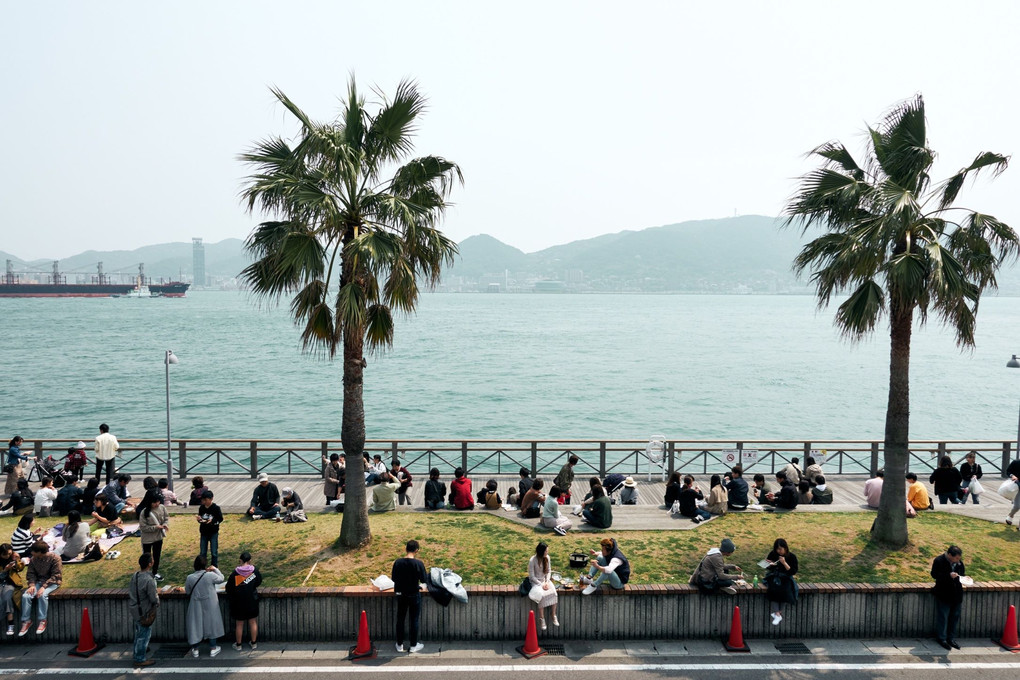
(975, 487)
(383, 582)
(536, 594)
(1008, 490)
(675, 510)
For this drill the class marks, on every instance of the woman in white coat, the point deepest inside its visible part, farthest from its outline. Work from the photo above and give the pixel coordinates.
(204, 618)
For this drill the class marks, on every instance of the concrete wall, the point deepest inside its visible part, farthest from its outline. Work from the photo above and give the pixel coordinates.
(674, 612)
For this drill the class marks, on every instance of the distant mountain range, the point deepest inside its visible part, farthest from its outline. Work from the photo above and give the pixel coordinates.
(738, 254)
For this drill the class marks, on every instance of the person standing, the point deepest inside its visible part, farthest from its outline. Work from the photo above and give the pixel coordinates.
(332, 475)
(142, 603)
(403, 478)
(970, 470)
(539, 574)
(15, 458)
(209, 519)
(106, 447)
(947, 481)
(43, 577)
(153, 522)
(1013, 472)
(947, 569)
(407, 573)
(204, 620)
(243, 596)
(565, 477)
(780, 587)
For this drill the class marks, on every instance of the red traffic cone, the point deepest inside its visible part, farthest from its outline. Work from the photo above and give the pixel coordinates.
(364, 649)
(1009, 640)
(736, 641)
(87, 645)
(530, 649)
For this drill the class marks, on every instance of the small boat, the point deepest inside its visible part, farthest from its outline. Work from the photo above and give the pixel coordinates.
(138, 292)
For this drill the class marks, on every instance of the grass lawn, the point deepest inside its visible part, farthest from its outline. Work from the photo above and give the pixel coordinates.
(486, 549)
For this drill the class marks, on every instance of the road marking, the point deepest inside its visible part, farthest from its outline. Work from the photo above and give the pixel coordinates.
(518, 667)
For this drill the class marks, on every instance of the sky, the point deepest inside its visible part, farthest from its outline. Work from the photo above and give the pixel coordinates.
(122, 121)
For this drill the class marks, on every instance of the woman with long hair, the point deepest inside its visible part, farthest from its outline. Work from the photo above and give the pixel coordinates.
(673, 488)
(243, 595)
(780, 586)
(718, 497)
(539, 570)
(154, 522)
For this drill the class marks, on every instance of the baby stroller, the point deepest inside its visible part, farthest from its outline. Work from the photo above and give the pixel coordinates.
(612, 485)
(47, 467)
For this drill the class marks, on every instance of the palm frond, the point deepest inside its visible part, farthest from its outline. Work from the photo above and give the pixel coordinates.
(379, 329)
(351, 306)
(389, 138)
(401, 287)
(950, 188)
(858, 314)
(320, 333)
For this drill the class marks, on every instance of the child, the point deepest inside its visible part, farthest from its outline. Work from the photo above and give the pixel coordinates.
(209, 519)
(169, 497)
(75, 461)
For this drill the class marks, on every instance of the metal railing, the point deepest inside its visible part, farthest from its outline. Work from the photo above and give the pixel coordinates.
(540, 457)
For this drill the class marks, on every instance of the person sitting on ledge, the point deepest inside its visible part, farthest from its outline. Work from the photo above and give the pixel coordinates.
(873, 489)
(613, 564)
(718, 499)
(689, 497)
(599, 512)
(821, 494)
(265, 502)
(713, 573)
(761, 489)
(460, 491)
(917, 494)
(787, 497)
(629, 494)
(736, 488)
(198, 487)
(804, 495)
(551, 516)
(673, 487)
(515, 496)
(488, 496)
(534, 498)
(384, 494)
(812, 472)
(435, 491)
(374, 470)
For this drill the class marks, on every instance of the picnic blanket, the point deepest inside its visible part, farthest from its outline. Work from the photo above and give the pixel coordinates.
(56, 541)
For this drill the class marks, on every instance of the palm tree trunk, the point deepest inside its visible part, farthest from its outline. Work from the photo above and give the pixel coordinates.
(890, 528)
(355, 531)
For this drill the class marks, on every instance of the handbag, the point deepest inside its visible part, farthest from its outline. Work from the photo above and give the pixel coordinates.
(149, 617)
(525, 588)
(975, 487)
(578, 560)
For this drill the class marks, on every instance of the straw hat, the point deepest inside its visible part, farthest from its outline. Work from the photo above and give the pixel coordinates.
(629, 482)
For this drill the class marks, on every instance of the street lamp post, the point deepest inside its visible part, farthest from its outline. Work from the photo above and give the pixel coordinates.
(169, 358)
(1013, 363)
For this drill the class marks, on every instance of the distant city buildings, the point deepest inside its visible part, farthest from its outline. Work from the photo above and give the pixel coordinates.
(198, 262)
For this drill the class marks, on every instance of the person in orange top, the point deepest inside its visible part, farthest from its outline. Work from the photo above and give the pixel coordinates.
(917, 494)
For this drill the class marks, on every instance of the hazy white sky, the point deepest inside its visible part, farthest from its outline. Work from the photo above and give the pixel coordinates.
(122, 120)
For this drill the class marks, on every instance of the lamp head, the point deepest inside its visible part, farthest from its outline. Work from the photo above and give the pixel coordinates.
(1013, 363)
(171, 358)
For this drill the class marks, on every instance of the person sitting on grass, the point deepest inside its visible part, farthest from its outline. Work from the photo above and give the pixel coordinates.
(23, 538)
(787, 497)
(435, 491)
(69, 498)
(460, 491)
(76, 537)
(599, 512)
(551, 516)
(690, 494)
(917, 494)
(293, 508)
(821, 494)
(21, 501)
(714, 573)
(613, 565)
(105, 515)
(265, 503)
(45, 497)
(384, 494)
(534, 498)
(488, 497)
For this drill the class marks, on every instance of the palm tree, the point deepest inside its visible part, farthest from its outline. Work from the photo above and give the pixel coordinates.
(898, 246)
(348, 241)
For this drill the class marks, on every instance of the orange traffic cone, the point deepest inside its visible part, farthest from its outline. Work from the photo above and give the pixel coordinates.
(1009, 639)
(87, 645)
(364, 649)
(736, 640)
(530, 650)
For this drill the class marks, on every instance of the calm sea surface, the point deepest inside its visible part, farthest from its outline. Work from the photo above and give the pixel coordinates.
(742, 368)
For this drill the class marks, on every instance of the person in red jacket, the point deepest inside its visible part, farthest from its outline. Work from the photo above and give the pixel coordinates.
(460, 491)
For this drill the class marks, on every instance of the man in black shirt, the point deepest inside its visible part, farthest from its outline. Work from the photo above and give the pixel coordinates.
(209, 519)
(737, 489)
(265, 502)
(105, 514)
(947, 569)
(407, 573)
(786, 499)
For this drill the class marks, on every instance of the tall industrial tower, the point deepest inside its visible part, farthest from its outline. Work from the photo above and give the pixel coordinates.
(198, 262)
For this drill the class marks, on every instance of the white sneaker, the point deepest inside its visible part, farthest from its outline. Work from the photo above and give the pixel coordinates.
(589, 590)
(776, 618)
(215, 650)
(556, 621)
(194, 652)
(400, 647)
(585, 580)
(237, 646)
(541, 624)
(417, 648)
(560, 530)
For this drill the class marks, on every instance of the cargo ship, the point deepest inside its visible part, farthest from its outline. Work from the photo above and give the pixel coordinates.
(11, 286)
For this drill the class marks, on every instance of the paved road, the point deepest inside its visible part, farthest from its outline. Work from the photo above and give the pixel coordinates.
(840, 659)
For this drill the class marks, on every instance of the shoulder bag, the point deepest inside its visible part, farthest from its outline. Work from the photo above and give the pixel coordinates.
(149, 617)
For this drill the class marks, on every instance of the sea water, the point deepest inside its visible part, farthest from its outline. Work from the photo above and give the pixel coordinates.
(739, 368)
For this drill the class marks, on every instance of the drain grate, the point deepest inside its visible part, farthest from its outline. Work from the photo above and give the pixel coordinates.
(554, 650)
(792, 648)
(171, 651)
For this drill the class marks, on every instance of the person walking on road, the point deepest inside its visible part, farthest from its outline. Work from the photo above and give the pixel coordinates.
(142, 603)
(407, 573)
(106, 448)
(947, 570)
